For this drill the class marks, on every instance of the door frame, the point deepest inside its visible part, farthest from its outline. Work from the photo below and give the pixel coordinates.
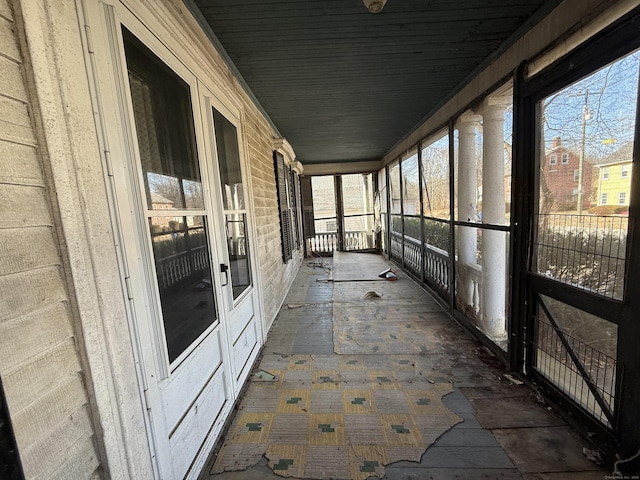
(208, 101)
(115, 117)
(610, 44)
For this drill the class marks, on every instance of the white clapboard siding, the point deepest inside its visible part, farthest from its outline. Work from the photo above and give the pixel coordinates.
(39, 362)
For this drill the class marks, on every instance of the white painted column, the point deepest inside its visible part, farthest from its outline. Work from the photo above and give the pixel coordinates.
(494, 254)
(467, 205)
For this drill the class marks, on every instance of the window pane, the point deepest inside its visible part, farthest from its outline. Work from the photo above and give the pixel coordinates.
(435, 172)
(165, 131)
(582, 223)
(468, 168)
(394, 187)
(228, 162)
(357, 202)
(184, 278)
(482, 280)
(411, 188)
(238, 248)
(483, 161)
(324, 215)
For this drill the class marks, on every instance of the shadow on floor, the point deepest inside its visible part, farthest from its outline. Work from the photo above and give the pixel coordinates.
(386, 386)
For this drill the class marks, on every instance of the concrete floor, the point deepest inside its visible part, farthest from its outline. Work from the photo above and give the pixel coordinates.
(501, 431)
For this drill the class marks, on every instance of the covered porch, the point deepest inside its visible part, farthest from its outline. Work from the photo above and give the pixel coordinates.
(361, 377)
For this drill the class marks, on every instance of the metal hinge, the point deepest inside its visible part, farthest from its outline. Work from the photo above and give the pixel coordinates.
(146, 399)
(87, 31)
(107, 160)
(127, 283)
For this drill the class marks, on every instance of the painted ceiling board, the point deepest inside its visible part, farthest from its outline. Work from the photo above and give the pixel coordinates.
(344, 85)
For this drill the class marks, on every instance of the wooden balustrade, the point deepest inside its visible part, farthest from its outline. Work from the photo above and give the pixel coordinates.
(475, 278)
(434, 260)
(323, 242)
(327, 242)
(175, 268)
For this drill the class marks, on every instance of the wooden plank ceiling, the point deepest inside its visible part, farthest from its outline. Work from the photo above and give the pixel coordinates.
(342, 84)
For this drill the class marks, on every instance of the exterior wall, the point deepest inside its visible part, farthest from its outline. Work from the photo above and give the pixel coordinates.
(276, 277)
(615, 184)
(40, 364)
(560, 179)
(68, 357)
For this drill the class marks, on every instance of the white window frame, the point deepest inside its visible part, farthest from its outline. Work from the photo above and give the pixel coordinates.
(622, 198)
(565, 158)
(603, 198)
(553, 159)
(624, 170)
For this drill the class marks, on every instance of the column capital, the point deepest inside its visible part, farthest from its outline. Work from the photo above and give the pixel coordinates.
(493, 107)
(468, 120)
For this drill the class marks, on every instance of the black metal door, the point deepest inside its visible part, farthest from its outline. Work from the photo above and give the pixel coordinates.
(577, 208)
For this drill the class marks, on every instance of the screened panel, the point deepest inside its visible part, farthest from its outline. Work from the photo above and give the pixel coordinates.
(358, 211)
(435, 178)
(586, 140)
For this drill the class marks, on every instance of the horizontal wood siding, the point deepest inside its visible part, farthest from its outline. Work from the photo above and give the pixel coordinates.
(276, 277)
(39, 361)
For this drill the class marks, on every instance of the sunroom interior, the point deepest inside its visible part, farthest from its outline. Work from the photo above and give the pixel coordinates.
(500, 206)
(178, 173)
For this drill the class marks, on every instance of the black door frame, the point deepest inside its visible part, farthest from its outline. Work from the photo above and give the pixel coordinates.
(614, 42)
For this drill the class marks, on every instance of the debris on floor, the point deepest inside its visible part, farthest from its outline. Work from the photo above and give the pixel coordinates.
(512, 379)
(593, 455)
(383, 273)
(372, 294)
(391, 276)
(263, 376)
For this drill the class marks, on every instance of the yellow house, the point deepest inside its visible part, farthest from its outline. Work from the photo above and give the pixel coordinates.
(614, 183)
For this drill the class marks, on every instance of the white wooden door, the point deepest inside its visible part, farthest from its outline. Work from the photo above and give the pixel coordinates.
(170, 221)
(236, 268)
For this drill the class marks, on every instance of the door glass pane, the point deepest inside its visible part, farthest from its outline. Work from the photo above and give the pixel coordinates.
(165, 132)
(435, 178)
(228, 162)
(183, 271)
(324, 215)
(586, 153)
(233, 199)
(238, 253)
(166, 141)
(357, 200)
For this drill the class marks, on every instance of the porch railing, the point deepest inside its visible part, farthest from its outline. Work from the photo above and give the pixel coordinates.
(176, 268)
(436, 260)
(327, 242)
(324, 242)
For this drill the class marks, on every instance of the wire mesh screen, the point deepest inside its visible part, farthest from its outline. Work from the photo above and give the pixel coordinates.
(585, 251)
(560, 366)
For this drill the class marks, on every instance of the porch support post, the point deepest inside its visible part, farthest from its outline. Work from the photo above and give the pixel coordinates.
(467, 205)
(494, 255)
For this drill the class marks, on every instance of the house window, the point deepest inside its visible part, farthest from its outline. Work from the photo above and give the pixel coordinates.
(622, 198)
(565, 158)
(603, 199)
(175, 213)
(553, 160)
(288, 191)
(605, 173)
(624, 171)
(576, 175)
